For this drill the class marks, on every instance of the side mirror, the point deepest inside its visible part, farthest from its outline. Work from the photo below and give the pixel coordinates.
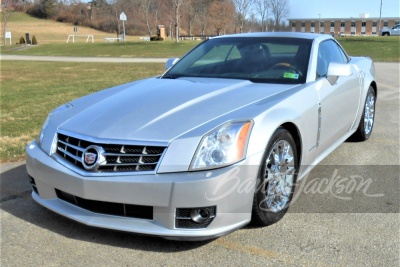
(171, 62)
(338, 69)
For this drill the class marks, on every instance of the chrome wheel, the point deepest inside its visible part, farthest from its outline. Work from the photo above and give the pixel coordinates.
(369, 113)
(279, 176)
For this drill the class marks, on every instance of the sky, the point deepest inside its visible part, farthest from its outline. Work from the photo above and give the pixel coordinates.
(342, 8)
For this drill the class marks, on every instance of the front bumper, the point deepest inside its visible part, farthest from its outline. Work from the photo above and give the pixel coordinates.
(229, 189)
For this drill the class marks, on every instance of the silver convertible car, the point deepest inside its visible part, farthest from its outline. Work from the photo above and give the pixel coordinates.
(216, 142)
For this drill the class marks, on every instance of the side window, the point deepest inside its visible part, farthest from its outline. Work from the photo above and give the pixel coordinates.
(328, 52)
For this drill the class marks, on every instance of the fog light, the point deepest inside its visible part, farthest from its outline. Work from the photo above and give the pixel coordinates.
(199, 215)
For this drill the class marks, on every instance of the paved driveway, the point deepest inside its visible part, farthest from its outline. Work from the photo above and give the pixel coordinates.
(322, 236)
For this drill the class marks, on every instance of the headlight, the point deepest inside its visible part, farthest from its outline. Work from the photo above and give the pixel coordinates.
(222, 146)
(52, 113)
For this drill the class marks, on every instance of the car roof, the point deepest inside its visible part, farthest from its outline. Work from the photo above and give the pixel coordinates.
(314, 36)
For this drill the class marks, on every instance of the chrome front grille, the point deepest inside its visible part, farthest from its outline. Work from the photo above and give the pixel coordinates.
(115, 157)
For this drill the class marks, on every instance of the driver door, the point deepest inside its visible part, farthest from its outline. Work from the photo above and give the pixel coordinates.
(338, 102)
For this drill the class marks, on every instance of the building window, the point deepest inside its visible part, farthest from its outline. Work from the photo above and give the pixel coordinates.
(353, 24)
(342, 24)
(363, 24)
(332, 24)
(303, 24)
(396, 22)
(353, 32)
(373, 33)
(385, 23)
(312, 24)
(362, 32)
(374, 24)
(323, 24)
(294, 24)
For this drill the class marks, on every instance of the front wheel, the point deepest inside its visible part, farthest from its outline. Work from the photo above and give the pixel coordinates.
(364, 129)
(276, 179)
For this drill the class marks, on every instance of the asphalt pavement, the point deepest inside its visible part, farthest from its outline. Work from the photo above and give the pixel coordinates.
(313, 233)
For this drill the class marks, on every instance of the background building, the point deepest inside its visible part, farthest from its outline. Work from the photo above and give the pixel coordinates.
(362, 25)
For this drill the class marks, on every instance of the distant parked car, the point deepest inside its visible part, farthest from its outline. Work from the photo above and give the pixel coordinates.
(394, 31)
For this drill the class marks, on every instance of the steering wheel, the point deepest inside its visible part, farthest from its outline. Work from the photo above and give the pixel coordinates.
(284, 66)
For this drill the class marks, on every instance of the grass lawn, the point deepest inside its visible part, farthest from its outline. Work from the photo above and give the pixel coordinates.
(165, 49)
(30, 90)
(378, 48)
(52, 36)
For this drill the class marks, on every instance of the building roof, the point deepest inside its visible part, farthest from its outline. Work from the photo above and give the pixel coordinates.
(280, 34)
(385, 18)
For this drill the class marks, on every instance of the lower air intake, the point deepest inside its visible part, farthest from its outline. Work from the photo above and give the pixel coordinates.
(108, 208)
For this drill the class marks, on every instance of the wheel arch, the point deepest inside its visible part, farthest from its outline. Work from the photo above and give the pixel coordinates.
(294, 131)
(375, 86)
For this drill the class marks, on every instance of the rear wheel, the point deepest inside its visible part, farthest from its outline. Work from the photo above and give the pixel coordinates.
(364, 129)
(276, 181)
(385, 34)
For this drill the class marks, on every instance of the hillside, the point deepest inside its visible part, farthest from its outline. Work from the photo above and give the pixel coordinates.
(49, 31)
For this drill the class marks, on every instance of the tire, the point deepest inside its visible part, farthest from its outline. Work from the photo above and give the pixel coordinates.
(364, 130)
(385, 34)
(264, 211)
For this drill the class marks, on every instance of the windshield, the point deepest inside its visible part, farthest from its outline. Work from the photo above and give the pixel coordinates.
(259, 59)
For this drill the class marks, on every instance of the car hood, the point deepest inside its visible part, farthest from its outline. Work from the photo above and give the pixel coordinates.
(162, 109)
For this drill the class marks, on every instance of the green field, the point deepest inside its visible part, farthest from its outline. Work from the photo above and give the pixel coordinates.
(127, 49)
(30, 90)
(52, 36)
(377, 48)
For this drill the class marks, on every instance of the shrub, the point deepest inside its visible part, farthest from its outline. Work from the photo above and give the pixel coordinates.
(156, 38)
(34, 41)
(22, 40)
(36, 11)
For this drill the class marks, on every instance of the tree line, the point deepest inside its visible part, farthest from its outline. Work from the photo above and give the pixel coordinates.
(180, 17)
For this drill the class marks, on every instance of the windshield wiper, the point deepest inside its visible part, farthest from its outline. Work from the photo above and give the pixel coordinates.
(168, 77)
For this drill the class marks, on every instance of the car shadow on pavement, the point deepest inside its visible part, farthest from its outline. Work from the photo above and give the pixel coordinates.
(15, 199)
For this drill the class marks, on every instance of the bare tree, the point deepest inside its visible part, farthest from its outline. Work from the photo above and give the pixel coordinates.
(202, 13)
(280, 9)
(191, 15)
(176, 5)
(168, 6)
(262, 9)
(156, 8)
(7, 9)
(221, 14)
(243, 7)
(113, 8)
(143, 12)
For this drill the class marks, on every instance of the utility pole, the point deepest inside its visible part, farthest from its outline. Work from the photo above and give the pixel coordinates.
(380, 16)
(319, 25)
(4, 10)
